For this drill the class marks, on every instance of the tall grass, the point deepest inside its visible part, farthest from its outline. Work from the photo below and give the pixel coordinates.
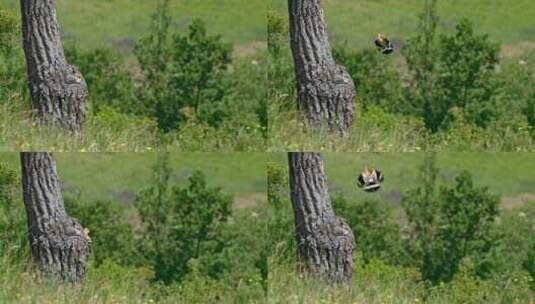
(378, 131)
(287, 131)
(21, 285)
(110, 132)
(111, 283)
(377, 282)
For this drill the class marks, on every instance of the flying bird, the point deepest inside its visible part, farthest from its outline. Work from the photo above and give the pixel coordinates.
(370, 180)
(383, 44)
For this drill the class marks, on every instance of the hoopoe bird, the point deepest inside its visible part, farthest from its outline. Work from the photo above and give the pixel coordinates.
(370, 180)
(383, 44)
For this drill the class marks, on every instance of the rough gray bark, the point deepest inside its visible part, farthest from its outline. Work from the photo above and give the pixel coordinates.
(59, 244)
(325, 242)
(58, 90)
(326, 90)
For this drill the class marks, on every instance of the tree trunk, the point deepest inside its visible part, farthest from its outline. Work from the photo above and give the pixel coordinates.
(59, 244)
(325, 242)
(326, 90)
(58, 90)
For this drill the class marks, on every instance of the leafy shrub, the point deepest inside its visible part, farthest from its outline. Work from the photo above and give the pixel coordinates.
(181, 224)
(277, 30)
(516, 95)
(421, 56)
(277, 184)
(376, 233)
(13, 238)
(185, 72)
(111, 234)
(280, 215)
(449, 225)
(280, 74)
(12, 68)
(9, 28)
(109, 81)
(196, 135)
(243, 259)
(138, 130)
(454, 71)
(466, 287)
(513, 245)
(506, 133)
(8, 183)
(376, 81)
(466, 75)
(248, 95)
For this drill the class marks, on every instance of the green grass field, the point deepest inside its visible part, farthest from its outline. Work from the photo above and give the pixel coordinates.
(507, 174)
(119, 23)
(357, 22)
(243, 22)
(379, 283)
(121, 175)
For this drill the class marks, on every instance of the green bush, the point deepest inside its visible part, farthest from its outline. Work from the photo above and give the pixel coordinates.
(449, 224)
(466, 76)
(280, 74)
(513, 245)
(376, 81)
(13, 78)
(280, 215)
(466, 287)
(108, 79)
(277, 31)
(184, 72)
(13, 238)
(181, 224)
(516, 95)
(375, 230)
(453, 71)
(111, 234)
(243, 259)
(247, 103)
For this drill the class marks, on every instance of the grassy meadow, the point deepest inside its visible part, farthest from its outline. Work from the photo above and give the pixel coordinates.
(357, 22)
(507, 174)
(96, 176)
(121, 22)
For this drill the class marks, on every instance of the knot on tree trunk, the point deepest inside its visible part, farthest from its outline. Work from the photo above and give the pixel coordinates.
(59, 96)
(327, 94)
(328, 250)
(61, 248)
